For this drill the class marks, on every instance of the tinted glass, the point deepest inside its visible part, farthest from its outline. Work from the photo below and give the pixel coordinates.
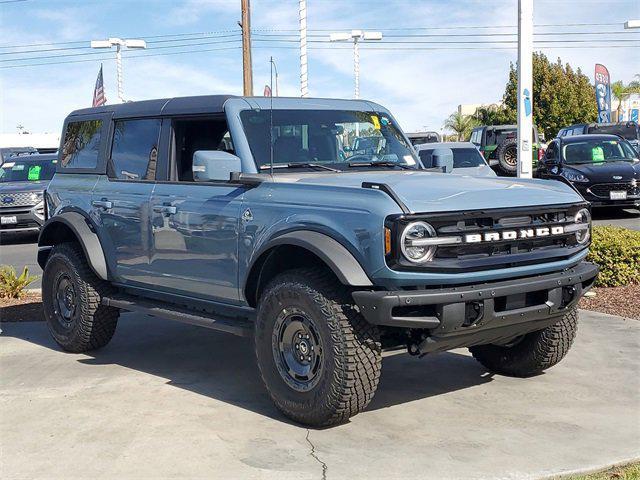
(462, 157)
(134, 153)
(18, 169)
(625, 130)
(598, 151)
(330, 137)
(81, 144)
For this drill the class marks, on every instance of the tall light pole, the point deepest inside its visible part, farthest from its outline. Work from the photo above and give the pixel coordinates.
(304, 85)
(355, 36)
(119, 43)
(525, 88)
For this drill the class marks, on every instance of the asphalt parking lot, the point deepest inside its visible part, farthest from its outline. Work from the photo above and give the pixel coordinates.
(21, 250)
(166, 400)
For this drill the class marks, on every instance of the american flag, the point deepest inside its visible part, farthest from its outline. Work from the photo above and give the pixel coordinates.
(98, 92)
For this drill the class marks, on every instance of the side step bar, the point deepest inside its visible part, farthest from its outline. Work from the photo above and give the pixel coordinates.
(240, 327)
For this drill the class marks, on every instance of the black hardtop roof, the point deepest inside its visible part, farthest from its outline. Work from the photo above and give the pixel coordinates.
(589, 136)
(162, 106)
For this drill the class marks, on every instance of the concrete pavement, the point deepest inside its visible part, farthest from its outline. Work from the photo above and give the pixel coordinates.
(166, 400)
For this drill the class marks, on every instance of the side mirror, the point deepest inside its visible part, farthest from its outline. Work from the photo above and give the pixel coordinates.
(214, 165)
(442, 158)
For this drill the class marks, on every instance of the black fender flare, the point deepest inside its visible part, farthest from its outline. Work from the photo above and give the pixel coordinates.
(340, 260)
(84, 233)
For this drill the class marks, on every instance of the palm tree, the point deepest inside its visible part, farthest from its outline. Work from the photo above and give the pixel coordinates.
(622, 92)
(460, 124)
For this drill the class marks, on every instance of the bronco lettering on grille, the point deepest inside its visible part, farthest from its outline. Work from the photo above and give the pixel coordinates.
(513, 234)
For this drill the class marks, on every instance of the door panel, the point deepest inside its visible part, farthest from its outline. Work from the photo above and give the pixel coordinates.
(122, 211)
(195, 239)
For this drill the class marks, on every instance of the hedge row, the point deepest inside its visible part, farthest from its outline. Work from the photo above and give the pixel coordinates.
(617, 251)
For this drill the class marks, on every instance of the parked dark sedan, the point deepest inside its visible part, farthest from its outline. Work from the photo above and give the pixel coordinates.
(605, 169)
(23, 180)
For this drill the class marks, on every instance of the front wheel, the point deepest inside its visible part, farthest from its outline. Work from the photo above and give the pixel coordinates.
(533, 352)
(71, 297)
(319, 358)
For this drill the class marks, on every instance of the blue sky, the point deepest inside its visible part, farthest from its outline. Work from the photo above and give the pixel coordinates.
(421, 87)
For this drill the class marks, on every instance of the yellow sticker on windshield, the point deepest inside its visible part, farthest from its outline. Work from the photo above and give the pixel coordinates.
(376, 122)
(597, 154)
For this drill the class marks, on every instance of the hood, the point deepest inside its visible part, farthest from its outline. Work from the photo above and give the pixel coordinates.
(440, 192)
(19, 187)
(605, 172)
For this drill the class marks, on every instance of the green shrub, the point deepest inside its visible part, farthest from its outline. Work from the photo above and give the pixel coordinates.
(617, 251)
(12, 285)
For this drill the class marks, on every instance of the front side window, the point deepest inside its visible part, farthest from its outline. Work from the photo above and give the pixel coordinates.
(134, 154)
(598, 151)
(333, 138)
(81, 144)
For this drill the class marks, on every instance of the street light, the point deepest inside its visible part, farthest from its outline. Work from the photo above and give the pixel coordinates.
(119, 43)
(356, 36)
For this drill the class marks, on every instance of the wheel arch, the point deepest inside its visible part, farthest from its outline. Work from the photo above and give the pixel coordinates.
(72, 226)
(302, 248)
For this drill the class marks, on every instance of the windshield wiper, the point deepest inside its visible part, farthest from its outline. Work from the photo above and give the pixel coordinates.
(382, 163)
(299, 165)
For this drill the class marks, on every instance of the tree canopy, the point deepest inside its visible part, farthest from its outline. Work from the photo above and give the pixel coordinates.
(561, 96)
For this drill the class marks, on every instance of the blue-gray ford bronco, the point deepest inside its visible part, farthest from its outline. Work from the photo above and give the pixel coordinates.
(264, 217)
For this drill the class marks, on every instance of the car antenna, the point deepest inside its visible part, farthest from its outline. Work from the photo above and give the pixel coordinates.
(271, 115)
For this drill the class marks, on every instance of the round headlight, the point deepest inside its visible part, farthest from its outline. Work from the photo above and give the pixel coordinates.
(583, 219)
(410, 242)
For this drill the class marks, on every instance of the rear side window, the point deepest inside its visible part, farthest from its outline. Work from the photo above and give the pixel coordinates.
(134, 154)
(81, 144)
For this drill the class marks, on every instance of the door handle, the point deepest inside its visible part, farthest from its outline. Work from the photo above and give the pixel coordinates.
(166, 209)
(104, 203)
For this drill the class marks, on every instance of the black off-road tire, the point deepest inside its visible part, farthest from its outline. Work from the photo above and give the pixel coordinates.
(504, 151)
(535, 352)
(90, 324)
(351, 351)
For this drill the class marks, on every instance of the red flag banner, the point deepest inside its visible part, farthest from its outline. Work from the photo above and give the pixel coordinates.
(267, 91)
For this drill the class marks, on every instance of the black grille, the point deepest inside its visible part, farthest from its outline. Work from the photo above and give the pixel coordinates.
(494, 254)
(603, 189)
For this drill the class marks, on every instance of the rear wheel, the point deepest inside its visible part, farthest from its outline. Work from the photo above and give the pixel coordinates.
(507, 155)
(71, 297)
(532, 353)
(319, 359)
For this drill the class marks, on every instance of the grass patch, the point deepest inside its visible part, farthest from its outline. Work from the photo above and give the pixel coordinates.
(626, 472)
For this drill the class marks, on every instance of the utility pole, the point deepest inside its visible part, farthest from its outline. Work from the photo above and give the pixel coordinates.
(247, 74)
(355, 36)
(304, 86)
(119, 43)
(525, 88)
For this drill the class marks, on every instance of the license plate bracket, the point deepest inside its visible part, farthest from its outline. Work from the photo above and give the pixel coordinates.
(618, 195)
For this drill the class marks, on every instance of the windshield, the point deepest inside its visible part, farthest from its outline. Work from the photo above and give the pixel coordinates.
(625, 130)
(16, 169)
(338, 139)
(462, 157)
(598, 151)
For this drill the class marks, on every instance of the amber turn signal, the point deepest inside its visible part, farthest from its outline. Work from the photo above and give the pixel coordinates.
(387, 241)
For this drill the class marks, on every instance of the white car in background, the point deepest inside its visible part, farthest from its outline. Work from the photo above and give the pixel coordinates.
(467, 160)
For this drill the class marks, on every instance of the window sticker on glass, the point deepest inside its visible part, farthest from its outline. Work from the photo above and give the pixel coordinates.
(18, 167)
(597, 154)
(33, 175)
(384, 121)
(375, 121)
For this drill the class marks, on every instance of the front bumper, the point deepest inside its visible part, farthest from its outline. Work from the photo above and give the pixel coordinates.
(465, 315)
(28, 219)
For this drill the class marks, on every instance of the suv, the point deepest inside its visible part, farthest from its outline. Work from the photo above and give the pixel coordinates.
(23, 180)
(247, 215)
(630, 131)
(499, 146)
